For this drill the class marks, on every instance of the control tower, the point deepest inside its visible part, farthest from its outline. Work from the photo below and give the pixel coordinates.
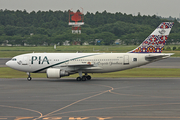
(76, 19)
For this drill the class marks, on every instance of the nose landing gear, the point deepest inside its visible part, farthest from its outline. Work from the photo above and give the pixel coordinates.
(29, 76)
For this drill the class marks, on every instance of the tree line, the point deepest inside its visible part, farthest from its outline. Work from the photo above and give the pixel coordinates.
(51, 27)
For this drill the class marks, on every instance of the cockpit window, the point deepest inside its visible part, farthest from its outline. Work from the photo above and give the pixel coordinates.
(13, 59)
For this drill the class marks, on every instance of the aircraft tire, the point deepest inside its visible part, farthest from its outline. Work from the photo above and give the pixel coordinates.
(78, 79)
(29, 78)
(88, 77)
(84, 78)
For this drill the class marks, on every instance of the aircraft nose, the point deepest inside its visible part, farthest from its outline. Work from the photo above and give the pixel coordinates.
(8, 63)
(13, 64)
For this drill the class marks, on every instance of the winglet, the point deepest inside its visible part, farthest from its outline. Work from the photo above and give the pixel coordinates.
(155, 42)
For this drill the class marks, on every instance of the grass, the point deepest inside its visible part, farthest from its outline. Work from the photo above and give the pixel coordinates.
(68, 48)
(135, 72)
(13, 51)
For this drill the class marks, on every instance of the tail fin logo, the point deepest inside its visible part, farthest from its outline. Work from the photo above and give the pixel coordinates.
(162, 32)
(155, 42)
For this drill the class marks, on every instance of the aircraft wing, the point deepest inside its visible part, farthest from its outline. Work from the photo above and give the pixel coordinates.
(83, 66)
(78, 65)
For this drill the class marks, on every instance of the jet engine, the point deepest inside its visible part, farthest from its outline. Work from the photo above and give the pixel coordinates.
(56, 73)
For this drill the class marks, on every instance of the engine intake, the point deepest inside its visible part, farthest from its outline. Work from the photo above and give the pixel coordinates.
(56, 73)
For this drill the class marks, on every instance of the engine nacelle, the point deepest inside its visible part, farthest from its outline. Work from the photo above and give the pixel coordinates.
(56, 73)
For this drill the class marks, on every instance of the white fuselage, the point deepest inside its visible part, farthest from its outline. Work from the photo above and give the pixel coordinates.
(72, 62)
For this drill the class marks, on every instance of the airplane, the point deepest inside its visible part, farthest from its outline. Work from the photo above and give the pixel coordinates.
(57, 65)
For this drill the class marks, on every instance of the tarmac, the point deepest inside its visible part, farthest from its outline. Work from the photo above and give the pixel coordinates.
(3, 61)
(97, 99)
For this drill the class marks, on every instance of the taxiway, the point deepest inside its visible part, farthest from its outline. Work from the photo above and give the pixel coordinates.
(97, 99)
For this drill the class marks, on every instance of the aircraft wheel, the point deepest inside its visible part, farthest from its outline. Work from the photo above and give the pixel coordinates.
(29, 78)
(84, 78)
(88, 77)
(78, 79)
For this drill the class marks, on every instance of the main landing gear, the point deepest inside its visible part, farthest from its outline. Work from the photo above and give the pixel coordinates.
(29, 76)
(84, 77)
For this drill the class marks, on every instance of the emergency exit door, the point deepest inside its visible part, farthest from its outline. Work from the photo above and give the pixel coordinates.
(126, 60)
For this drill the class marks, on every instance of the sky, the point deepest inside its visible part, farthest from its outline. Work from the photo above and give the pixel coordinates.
(164, 8)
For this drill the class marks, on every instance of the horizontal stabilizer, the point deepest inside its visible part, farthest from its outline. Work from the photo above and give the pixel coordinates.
(152, 57)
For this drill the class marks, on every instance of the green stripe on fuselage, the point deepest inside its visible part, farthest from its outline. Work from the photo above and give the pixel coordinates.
(61, 63)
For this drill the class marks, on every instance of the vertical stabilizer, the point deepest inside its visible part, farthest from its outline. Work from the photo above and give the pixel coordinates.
(155, 42)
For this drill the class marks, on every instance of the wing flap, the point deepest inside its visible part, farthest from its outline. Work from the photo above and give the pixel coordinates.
(78, 65)
(83, 66)
(92, 68)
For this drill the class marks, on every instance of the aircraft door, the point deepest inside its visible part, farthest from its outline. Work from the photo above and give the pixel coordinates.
(126, 60)
(25, 60)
